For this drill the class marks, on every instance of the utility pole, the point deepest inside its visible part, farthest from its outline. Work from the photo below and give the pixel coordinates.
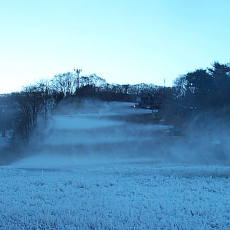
(78, 71)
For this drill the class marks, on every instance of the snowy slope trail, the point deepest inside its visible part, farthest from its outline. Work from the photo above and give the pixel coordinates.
(100, 171)
(105, 133)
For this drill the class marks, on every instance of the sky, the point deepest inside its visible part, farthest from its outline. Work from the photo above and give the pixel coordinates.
(122, 41)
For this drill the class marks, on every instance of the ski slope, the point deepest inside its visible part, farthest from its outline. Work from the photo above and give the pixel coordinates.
(86, 176)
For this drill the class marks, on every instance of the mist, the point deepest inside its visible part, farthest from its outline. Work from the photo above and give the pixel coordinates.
(95, 132)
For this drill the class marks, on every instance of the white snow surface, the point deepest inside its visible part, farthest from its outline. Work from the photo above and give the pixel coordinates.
(56, 191)
(135, 194)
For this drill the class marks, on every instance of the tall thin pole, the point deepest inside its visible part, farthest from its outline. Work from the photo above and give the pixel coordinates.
(78, 71)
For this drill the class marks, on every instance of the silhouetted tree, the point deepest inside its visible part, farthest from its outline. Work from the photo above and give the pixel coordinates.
(199, 88)
(64, 85)
(221, 78)
(31, 103)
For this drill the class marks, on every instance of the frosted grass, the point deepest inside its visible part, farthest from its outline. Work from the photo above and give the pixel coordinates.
(115, 196)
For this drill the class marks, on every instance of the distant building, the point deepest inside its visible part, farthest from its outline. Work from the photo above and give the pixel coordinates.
(148, 101)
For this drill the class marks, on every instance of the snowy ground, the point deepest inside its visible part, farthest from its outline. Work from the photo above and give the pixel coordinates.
(76, 187)
(120, 195)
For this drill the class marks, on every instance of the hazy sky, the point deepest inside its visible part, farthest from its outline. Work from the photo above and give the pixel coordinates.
(123, 41)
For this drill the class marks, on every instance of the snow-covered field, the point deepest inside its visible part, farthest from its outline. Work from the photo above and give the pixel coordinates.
(114, 195)
(76, 187)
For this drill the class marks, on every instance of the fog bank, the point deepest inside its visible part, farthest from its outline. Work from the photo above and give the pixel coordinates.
(97, 132)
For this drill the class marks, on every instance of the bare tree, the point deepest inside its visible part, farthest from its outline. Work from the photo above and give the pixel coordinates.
(47, 100)
(30, 104)
(64, 84)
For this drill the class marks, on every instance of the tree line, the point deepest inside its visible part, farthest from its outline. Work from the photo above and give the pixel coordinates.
(204, 91)
(196, 92)
(205, 88)
(32, 106)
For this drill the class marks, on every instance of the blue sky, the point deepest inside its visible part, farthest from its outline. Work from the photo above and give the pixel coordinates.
(123, 41)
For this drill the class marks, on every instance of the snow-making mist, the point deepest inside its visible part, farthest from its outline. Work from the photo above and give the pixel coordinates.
(105, 134)
(95, 132)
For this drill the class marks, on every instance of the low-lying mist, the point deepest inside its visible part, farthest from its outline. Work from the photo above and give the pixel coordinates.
(94, 132)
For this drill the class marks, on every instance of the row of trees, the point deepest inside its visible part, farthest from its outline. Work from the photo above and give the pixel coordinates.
(32, 105)
(199, 91)
(198, 94)
(66, 84)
